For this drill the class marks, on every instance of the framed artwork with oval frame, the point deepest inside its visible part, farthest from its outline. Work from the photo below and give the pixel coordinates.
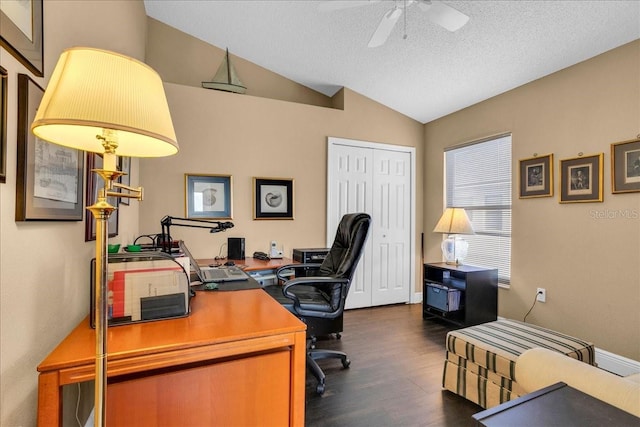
(272, 198)
(625, 166)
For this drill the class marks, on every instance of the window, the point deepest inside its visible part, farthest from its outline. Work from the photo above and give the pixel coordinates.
(478, 179)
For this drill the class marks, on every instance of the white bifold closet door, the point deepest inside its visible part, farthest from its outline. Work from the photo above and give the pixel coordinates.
(376, 179)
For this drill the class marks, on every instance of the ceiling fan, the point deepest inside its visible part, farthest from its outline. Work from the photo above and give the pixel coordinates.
(437, 12)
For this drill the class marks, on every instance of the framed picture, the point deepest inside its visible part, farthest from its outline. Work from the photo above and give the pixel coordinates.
(581, 179)
(3, 125)
(21, 23)
(124, 165)
(625, 166)
(48, 176)
(536, 177)
(208, 196)
(95, 183)
(273, 198)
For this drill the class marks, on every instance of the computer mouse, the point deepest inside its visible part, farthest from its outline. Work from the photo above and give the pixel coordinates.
(229, 263)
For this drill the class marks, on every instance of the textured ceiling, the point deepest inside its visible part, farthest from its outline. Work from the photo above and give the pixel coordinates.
(432, 72)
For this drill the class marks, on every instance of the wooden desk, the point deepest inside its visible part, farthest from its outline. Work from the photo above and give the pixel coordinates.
(238, 359)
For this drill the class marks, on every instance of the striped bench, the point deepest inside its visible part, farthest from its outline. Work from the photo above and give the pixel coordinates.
(480, 361)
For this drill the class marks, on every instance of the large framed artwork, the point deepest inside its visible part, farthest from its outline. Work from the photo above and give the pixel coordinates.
(22, 36)
(581, 179)
(625, 166)
(208, 196)
(272, 198)
(3, 125)
(48, 176)
(536, 177)
(94, 184)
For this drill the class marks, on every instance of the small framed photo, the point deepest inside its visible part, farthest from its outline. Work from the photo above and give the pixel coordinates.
(21, 23)
(208, 196)
(94, 184)
(581, 179)
(49, 177)
(625, 166)
(536, 177)
(272, 198)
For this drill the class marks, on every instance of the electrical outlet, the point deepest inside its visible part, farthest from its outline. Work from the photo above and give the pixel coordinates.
(541, 295)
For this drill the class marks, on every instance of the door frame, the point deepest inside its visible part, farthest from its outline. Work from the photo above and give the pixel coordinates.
(414, 296)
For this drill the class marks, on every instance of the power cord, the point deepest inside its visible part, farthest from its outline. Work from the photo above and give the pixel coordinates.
(535, 300)
(220, 256)
(78, 406)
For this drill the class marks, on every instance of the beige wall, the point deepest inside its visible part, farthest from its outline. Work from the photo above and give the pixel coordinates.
(246, 137)
(589, 266)
(44, 266)
(198, 62)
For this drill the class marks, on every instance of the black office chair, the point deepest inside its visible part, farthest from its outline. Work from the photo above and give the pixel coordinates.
(318, 299)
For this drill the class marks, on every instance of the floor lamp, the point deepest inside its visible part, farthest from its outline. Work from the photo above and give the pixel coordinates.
(452, 222)
(103, 102)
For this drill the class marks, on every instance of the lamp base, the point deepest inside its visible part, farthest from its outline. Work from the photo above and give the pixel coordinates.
(454, 250)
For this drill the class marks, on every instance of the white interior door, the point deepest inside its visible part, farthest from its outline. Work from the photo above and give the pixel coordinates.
(350, 190)
(391, 236)
(377, 179)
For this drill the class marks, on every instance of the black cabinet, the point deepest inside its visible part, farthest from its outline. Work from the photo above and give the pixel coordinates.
(462, 294)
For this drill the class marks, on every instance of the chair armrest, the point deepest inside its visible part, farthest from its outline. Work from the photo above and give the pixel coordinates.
(295, 267)
(286, 290)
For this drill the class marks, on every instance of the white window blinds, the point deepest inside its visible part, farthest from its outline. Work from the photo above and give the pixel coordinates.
(478, 179)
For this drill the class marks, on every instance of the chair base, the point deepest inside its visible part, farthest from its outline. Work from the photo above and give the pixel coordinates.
(313, 366)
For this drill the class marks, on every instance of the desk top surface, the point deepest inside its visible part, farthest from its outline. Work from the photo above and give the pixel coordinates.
(250, 264)
(216, 317)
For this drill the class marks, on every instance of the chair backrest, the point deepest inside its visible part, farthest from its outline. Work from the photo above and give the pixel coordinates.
(342, 259)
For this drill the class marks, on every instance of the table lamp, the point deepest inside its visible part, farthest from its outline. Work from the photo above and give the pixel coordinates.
(454, 221)
(103, 102)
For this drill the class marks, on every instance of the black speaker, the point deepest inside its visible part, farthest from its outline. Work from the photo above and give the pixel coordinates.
(235, 247)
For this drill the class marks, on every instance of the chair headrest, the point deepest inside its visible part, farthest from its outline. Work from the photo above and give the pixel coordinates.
(347, 247)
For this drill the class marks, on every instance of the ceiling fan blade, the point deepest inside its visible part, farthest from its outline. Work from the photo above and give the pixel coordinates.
(444, 15)
(331, 5)
(383, 31)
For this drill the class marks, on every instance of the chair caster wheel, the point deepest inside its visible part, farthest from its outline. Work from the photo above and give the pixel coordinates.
(320, 389)
(346, 363)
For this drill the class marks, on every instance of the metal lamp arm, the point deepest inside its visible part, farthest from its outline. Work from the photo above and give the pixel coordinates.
(168, 221)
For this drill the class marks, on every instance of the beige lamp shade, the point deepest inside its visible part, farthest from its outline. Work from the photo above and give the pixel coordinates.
(454, 221)
(92, 90)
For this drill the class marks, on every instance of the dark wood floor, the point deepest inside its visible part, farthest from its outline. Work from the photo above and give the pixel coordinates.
(395, 375)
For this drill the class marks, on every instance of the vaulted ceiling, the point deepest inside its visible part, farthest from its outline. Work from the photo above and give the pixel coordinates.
(427, 74)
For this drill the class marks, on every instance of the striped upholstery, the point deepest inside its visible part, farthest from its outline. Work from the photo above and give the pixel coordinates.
(481, 359)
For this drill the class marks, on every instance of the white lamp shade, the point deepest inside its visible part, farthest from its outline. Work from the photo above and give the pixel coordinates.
(91, 90)
(454, 221)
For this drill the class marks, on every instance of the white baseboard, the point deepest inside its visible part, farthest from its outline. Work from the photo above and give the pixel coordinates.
(416, 298)
(615, 363)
